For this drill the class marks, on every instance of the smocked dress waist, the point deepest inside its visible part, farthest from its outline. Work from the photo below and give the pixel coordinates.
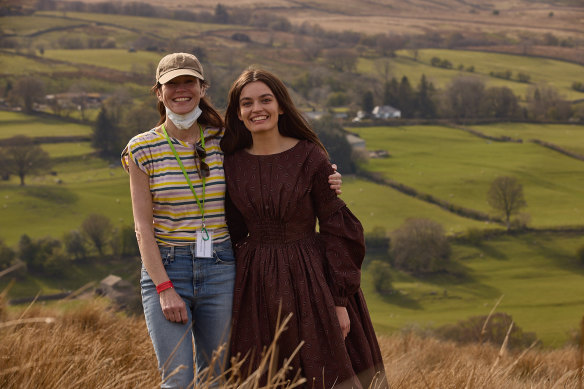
(275, 231)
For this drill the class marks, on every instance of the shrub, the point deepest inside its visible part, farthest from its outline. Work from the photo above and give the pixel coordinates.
(420, 246)
(75, 244)
(377, 240)
(6, 256)
(97, 228)
(471, 330)
(381, 272)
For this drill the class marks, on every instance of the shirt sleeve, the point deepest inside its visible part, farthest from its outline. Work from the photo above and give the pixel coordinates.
(138, 151)
(340, 238)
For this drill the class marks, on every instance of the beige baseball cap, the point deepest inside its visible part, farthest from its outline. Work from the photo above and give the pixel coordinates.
(178, 64)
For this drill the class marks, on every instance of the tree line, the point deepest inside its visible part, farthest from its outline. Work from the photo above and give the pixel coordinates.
(96, 237)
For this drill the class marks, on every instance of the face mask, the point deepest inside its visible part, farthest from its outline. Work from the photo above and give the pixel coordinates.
(183, 122)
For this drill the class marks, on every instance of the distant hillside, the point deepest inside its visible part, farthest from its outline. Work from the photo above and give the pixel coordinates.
(414, 16)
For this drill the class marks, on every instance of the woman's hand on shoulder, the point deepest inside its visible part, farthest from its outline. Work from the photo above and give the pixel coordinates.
(335, 180)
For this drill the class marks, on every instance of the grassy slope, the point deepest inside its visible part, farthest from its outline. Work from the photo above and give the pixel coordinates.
(14, 123)
(566, 136)
(541, 283)
(459, 167)
(539, 69)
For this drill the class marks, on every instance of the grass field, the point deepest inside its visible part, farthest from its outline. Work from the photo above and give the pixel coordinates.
(541, 282)
(459, 167)
(539, 69)
(564, 135)
(15, 123)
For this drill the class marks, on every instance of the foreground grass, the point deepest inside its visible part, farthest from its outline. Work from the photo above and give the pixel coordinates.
(84, 344)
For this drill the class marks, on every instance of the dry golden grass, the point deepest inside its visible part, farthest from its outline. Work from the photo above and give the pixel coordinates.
(88, 345)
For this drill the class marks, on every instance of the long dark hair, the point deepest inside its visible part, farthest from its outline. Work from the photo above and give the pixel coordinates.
(209, 117)
(291, 123)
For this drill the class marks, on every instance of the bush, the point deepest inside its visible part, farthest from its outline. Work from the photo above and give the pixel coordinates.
(75, 244)
(381, 272)
(377, 240)
(420, 246)
(470, 330)
(6, 256)
(124, 242)
(97, 228)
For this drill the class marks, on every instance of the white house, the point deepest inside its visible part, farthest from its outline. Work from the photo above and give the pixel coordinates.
(385, 112)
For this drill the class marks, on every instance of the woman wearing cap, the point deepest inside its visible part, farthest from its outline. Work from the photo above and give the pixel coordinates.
(177, 184)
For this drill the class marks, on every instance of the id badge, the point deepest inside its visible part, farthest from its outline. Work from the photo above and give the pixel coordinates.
(204, 247)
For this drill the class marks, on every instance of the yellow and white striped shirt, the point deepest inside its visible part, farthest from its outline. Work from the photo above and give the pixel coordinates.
(177, 216)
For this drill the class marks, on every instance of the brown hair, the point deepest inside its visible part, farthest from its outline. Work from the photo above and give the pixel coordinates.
(291, 123)
(209, 117)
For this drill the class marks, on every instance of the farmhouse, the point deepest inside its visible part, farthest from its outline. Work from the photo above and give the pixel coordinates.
(386, 112)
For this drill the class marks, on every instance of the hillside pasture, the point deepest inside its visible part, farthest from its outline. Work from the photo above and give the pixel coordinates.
(16, 123)
(459, 167)
(381, 206)
(155, 27)
(68, 150)
(567, 136)
(118, 59)
(539, 277)
(24, 66)
(540, 70)
(47, 208)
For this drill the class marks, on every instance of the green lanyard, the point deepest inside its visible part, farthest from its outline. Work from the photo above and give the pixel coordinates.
(201, 207)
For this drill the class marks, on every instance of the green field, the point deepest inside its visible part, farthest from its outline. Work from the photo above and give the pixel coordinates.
(566, 136)
(538, 276)
(118, 59)
(15, 123)
(458, 167)
(554, 73)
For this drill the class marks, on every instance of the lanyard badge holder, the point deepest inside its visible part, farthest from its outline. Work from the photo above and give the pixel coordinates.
(204, 244)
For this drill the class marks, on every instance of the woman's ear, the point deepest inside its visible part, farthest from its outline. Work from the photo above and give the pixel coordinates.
(159, 95)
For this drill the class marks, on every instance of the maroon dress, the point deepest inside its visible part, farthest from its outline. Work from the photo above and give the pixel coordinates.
(272, 206)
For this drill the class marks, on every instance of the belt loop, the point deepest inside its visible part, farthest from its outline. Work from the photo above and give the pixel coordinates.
(171, 254)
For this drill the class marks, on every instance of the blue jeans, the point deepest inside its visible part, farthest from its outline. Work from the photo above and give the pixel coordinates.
(206, 286)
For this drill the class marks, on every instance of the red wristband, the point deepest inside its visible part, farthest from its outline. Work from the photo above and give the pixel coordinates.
(163, 286)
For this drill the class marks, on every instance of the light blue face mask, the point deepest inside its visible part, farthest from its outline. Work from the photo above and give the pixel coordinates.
(184, 122)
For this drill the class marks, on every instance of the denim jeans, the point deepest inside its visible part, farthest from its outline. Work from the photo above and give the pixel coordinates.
(206, 286)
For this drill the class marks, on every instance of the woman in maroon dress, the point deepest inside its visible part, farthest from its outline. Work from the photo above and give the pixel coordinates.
(276, 172)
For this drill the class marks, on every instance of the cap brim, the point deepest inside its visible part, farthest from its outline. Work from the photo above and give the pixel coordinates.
(179, 72)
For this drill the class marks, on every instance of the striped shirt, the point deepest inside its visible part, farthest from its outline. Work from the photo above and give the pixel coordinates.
(177, 216)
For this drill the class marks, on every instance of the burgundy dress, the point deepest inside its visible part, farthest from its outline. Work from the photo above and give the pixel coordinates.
(272, 206)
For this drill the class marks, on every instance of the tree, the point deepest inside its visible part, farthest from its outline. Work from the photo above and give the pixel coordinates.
(6, 255)
(106, 135)
(21, 156)
(333, 137)
(27, 92)
(500, 102)
(98, 229)
(75, 244)
(367, 104)
(506, 196)
(425, 104)
(406, 100)
(420, 246)
(464, 96)
(381, 272)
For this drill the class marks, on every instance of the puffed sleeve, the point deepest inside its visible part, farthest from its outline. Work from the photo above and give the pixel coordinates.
(235, 221)
(341, 237)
